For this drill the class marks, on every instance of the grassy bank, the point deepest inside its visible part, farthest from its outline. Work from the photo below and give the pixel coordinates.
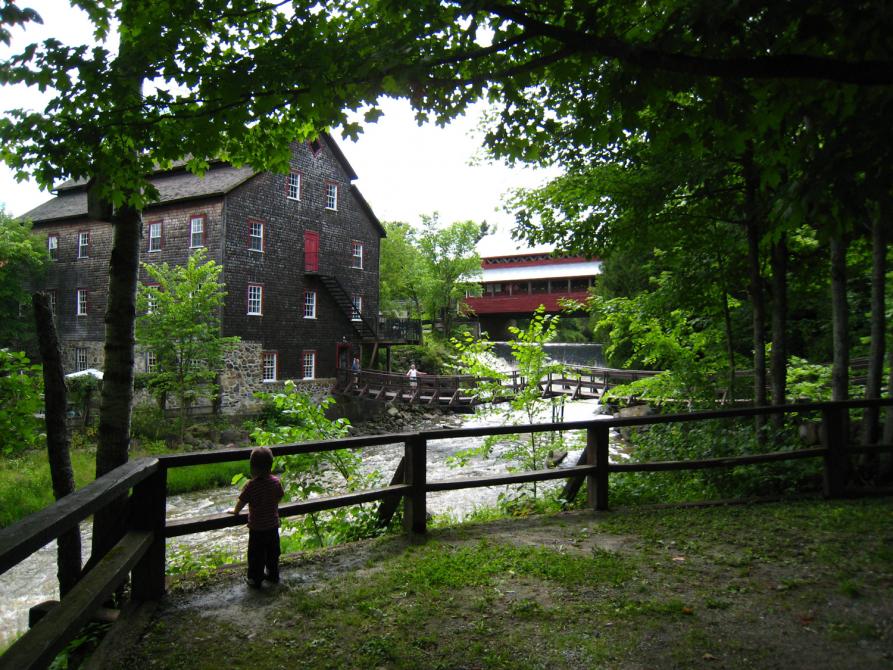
(801, 584)
(25, 484)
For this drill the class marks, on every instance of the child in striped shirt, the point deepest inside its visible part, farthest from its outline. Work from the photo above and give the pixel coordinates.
(262, 494)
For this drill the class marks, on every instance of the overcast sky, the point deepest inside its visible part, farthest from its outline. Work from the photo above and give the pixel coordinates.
(404, 170)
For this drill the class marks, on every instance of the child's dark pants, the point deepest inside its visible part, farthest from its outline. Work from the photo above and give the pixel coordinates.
(263, 552)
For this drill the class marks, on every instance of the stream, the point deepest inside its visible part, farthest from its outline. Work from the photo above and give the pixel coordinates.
(34, 579)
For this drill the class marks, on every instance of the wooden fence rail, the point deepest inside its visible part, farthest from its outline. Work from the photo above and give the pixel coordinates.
(141, 551)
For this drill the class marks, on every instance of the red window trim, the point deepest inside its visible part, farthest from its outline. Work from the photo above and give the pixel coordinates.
(325, 193)
(315, 353)
(300, 184)
(262, 355)
(263, 236)
(87, 255)
(248, 299)
(160, 222)
(204, 217)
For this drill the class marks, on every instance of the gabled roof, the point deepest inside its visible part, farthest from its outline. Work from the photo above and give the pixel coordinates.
(172, 187)
(176, 184)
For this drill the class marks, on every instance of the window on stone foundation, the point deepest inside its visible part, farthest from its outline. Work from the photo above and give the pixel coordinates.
(80, 359)
(270, 366)
(151, 362)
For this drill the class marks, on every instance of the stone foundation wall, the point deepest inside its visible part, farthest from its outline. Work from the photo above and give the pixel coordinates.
(240, 379)
(95, 354)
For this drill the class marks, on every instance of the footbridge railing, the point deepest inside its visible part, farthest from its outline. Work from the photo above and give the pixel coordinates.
(140, 552)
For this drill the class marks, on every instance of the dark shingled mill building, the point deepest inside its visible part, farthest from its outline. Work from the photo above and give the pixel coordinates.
(300, 257)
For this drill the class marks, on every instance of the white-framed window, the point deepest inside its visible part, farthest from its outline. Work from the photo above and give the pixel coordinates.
(309, 304)
(151, 299)
(155, 236)
(356, 253)
(51, 298)
(82, 302)
(357, 305)
(151, 362)
(255, 299)
(270, 366)
(255, 235)
(331, 196)
(293, 186)
(196, 231)
(308, 364)
(84, 244)
(53, 246)
(80, 359)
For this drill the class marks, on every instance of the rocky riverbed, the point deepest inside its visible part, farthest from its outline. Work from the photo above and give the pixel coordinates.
(34, 580)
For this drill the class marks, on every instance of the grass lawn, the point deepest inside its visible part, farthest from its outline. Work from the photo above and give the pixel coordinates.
(25, 484)
(804, 584)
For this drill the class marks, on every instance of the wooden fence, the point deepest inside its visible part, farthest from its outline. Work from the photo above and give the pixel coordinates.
(140, 553)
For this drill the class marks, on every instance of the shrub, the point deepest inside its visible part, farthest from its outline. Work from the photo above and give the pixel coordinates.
(21, 385)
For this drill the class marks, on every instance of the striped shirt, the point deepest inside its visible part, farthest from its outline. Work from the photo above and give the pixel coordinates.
(262, 495)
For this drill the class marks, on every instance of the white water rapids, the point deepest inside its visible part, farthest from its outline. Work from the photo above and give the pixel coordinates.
(34, 580)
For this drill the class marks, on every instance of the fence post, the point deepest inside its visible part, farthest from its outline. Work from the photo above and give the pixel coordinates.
(834, 440)
(148, 506)
(414, 474)
(597, 454)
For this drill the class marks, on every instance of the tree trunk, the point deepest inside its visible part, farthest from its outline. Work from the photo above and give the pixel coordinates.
(758, 303)
(840, 320)
(727, 327)
(885, 471)
(779, 326)
(56, 404)
(117, 385)
(870, 428)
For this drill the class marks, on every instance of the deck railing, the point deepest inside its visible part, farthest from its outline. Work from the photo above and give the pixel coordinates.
(140, 553)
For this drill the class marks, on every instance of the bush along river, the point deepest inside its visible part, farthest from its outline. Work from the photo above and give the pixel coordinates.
(34, 580)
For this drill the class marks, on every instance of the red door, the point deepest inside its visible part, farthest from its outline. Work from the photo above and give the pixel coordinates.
(311, 251)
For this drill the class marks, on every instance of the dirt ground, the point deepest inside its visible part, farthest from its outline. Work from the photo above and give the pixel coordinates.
(796, 585)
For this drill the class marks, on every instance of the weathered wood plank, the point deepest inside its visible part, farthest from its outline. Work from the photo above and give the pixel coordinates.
(415, 455)
(572, 487)
(38, 647)
(834, 435)
(717, 462)
(389, 505)
(597, 453)
(24, 537)
(500, 480)
(218, 521)
(226, 455)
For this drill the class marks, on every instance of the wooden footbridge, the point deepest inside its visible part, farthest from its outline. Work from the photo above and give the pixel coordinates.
(459, 392)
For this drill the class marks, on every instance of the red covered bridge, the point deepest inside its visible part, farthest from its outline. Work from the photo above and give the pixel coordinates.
(514, 286)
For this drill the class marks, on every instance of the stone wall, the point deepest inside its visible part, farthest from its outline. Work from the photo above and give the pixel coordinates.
(93, 348)
(242, 378)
